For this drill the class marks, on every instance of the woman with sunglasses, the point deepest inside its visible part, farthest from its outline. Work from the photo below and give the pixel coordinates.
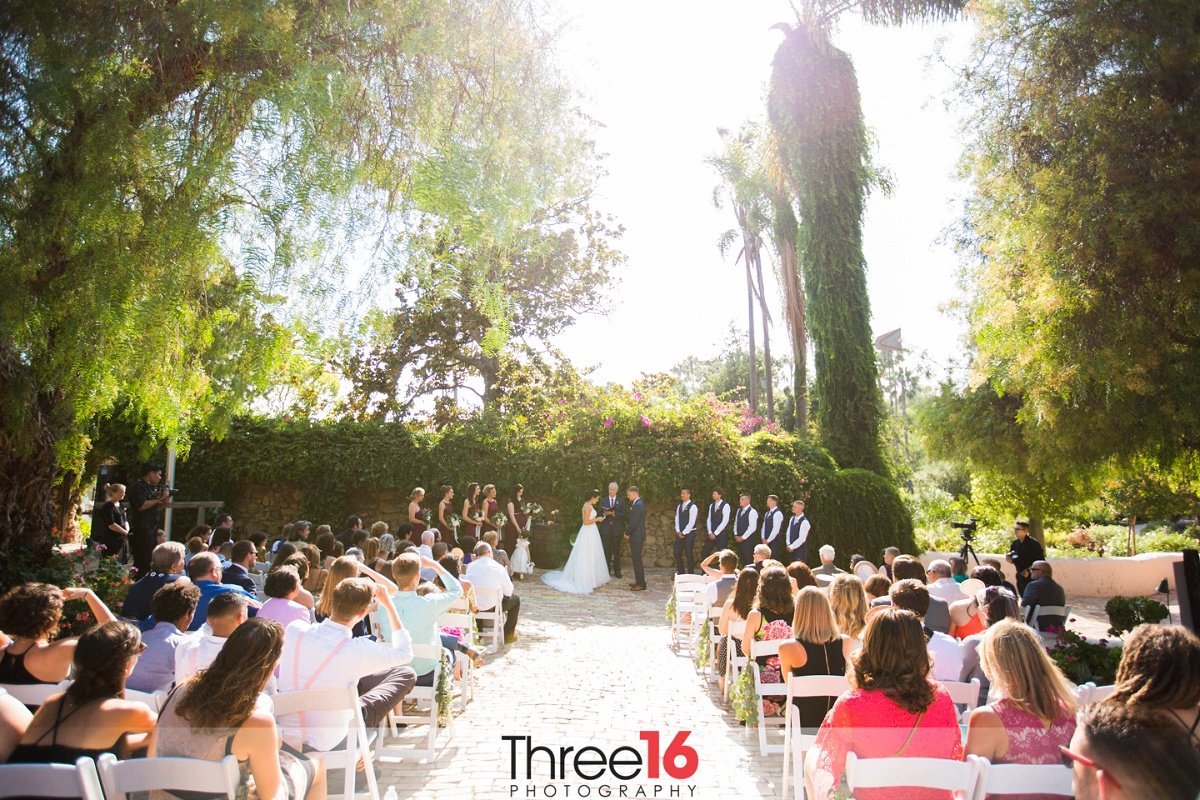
(91, 717)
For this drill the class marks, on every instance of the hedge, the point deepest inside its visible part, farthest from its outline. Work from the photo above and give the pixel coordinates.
(860, 512)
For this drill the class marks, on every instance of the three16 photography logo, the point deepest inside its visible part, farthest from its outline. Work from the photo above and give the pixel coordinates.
(638, 771)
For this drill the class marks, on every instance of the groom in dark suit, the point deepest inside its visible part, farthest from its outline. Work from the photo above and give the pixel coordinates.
(612, 517)
(635, 534)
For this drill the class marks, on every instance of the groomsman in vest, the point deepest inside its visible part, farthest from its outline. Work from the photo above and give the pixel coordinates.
(772, 528)
(797, 534)
(718, 520)
(685, 533)
(612, 523)
(745, 530)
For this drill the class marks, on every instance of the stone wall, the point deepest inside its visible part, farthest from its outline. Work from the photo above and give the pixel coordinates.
(1135, 576)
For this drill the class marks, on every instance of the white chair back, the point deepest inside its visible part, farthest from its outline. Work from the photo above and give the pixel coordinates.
(34, 694)
(152, 700)
(681, 580)
(1044, 779)
(122, 778)
(763, 690)
(357, 743)
(913, 773)
(429, 716)
(734, 663)
(491, 599)
(795, 742)
(963, 694)
(51, 780)
(1098, 694)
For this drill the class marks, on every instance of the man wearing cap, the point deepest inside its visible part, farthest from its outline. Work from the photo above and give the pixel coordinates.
(146, 498)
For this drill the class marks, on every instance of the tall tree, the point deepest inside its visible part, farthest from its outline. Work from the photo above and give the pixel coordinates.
(784, 236)
(168, 169)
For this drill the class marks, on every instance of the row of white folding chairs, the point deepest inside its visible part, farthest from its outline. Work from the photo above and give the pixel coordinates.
(423, 698)
(110, 779)
(460, 616)
(690, 609)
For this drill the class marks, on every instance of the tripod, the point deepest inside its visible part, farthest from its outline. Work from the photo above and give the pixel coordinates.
(965, 549)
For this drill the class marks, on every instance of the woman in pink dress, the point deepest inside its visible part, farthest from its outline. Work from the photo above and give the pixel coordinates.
(1037, 713)
(893, 709)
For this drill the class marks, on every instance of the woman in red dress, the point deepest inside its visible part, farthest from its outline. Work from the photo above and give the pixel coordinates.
(416, 515)
(491, 507)
(470, 517)
(445, 509)
(516, 519)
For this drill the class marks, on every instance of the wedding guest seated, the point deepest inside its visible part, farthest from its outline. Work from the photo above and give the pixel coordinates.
(285, 551)
(737, 608)
(259, 540)
(226, 612)
(1036, 715)
(195, 546)
(958, 569)
(387, 543)
(354, 524)
(893, 710)
(325, 543)
(941, 583)
(452, 563)
(91, 717)
(849, 602)
(281, 588)
(166, 565)
(996, 603)
(716, 593)
(817, 648)
(223, 711)
(1123, 752)
(316, 570)
(242, 559)
(14, 721)
(224, 554)
(299, 562)
(1043, 590)
(326, 655)
(876, 586)
(771, 619)
(889, 555)
(30, 614)
(966, 614)
(995, 564)
(342, 569)
(1153, 661)
(801, 575)
(172, 608)
(205, 571)
(492, 538)
(486, 573)
(912, 595)
(762, 552)
(828, 568)
(420, 613)
(906, 567)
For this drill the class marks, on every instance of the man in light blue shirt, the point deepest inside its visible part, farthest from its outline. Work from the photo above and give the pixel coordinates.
(205, 571)
(175, 603)
(420, 613)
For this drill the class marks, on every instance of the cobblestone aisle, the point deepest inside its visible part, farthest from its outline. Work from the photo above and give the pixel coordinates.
(590, 670)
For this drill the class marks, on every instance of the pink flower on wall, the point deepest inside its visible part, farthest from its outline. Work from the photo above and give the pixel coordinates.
(609, 422)
(645, 421)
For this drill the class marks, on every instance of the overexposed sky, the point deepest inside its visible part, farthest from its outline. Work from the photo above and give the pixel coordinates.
(661, 76)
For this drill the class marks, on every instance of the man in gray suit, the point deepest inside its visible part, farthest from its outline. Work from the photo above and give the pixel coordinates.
(635, 534)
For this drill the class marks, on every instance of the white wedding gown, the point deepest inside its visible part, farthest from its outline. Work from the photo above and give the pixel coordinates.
(586, 567)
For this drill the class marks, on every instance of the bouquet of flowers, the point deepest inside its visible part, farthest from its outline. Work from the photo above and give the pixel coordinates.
(499, 519)
(455, 520)
(531, 510)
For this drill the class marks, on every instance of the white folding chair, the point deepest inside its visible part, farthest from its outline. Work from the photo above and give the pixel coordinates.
(418, 695)
(464, 622)
(734, 663)
(51, 780)
(689, 605)
(913, 773)
(714, 639)
(123, 778)
(764, 690)
(356, 745)
(152, 700)
(795, 742)
(1046, 611)
(34, 694)
(492, 598)
(1040, 779)
(963, 694)
(1091, 693)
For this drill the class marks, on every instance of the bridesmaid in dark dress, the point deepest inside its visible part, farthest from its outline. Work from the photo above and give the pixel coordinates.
(445, 509)
(470, 517)
(416, 516)
(490, 508)
(516, 519)
(817, 649)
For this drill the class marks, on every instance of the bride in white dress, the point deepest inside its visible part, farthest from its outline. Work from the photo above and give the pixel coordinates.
(586, 567)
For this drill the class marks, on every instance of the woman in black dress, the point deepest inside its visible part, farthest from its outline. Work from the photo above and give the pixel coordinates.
(816, 649)
(110, 528)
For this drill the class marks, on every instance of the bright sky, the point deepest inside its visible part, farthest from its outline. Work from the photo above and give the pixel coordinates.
(662, 76)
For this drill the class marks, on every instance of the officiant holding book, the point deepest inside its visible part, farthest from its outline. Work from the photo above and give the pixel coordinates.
(612, 510)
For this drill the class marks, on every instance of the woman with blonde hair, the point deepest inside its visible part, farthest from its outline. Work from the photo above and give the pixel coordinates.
(849, 602)
(110, 527)
(1037, 712)
(349, 567)
(817, 648)
(416, 515)
(316, 572)
(1152, 661)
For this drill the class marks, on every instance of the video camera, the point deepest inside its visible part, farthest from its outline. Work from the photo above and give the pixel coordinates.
(968, 528)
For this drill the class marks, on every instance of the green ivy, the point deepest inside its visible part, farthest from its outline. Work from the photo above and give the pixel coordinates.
(703, 646)
(858, 511)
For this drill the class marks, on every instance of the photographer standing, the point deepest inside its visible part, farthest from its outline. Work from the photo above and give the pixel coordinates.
(146, 497)
(1023, 551)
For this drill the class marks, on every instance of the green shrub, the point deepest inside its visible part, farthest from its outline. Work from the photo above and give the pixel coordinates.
(1126, 613)
(859, 512)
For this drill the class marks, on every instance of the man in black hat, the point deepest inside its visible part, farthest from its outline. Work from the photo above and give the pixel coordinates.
(146, 497)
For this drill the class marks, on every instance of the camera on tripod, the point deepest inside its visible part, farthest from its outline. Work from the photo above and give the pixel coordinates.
(968, 528)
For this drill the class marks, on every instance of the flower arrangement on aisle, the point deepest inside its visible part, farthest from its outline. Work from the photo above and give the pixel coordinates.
(703, 647)
(743, 698)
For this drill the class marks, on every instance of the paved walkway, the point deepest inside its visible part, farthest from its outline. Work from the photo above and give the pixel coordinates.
(590, 670)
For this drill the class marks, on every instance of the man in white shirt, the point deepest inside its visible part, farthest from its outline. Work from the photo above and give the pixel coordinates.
(484, 572)
(912, 595)
(797, 534)
(717, 592)
(225, 613)
(941, 583)
(685, 533)
(326, 655)
(425, 550)
(745, 529)
(772, 528)
(718, 519)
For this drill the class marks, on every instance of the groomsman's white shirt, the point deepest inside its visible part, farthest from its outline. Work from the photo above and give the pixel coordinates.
(752, 514)
(724, 520)
(774, 517)
(691, 523)
(801, 535)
